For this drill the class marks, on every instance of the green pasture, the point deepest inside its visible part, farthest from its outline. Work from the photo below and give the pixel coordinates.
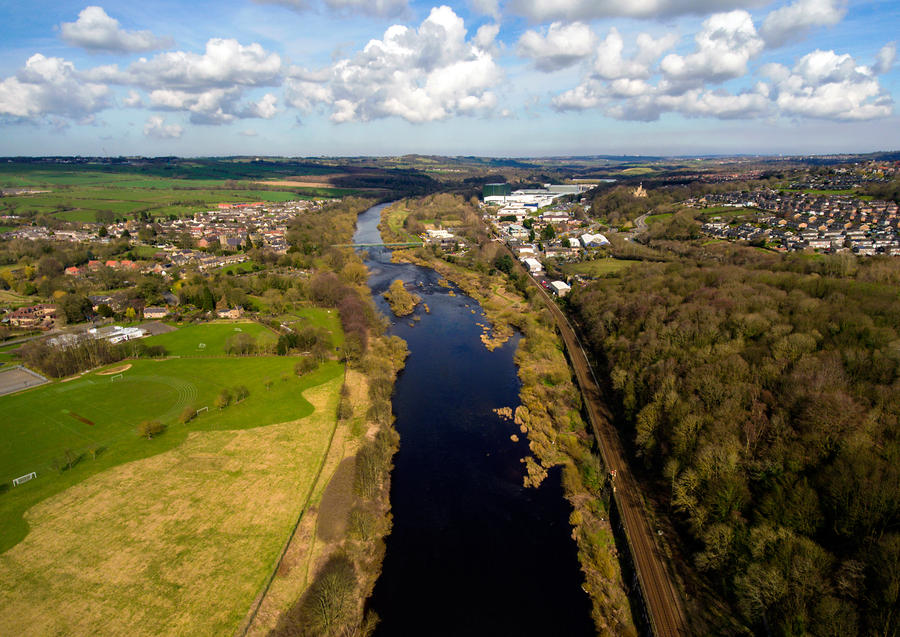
(208, 339)
(94, 419)
(598, 268)
(238, 268)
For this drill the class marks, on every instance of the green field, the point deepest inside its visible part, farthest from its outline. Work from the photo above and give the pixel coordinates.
(208, 339)
(239, 268)
(40, 425)
(328, 320)
(598, 268)
(180, 541)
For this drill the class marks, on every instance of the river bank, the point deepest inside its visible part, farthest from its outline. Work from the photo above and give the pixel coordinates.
(550, 416)
(473, 550)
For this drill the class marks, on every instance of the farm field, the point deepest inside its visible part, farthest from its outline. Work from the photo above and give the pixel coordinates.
(180, 542)
(208, 339)
(598, 268)
(239, 268)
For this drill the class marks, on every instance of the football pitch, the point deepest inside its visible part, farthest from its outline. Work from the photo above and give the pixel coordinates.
(90, 422)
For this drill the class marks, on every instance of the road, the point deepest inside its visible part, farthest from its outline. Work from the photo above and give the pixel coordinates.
(661, 597)
(640, 224)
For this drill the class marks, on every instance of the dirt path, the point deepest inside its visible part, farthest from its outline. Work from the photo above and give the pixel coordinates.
(662, 599)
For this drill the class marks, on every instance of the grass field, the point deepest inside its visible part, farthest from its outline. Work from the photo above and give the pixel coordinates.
(208, 339)
(239, 268)
(40, 425)
(180, 542)
(396, 216)
(598, 268)
(81, 195)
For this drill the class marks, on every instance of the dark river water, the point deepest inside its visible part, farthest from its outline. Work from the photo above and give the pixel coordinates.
(472, 551)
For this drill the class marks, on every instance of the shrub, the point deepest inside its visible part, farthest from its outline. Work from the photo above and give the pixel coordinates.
(150, 428)
(223, 399)
(305, 365)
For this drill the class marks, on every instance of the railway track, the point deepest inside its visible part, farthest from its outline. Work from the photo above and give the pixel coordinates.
(661, 597)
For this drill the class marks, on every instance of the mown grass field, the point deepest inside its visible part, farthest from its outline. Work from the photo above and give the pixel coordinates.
(238, 268)
(208, 339)
(180, 542)
(40, 425)
(598, 268)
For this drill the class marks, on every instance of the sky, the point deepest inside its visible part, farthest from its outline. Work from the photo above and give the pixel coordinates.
(510, 78)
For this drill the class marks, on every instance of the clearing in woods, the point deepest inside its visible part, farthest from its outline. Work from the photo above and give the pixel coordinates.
(178, 543)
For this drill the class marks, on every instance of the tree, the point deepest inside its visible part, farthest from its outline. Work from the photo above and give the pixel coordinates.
(548, 233)
(223, 399)
(150, 428)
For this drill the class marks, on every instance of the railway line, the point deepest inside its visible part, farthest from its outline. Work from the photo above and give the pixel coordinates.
(661, 597)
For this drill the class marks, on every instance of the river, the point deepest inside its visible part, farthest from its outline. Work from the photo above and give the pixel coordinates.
(472, 551)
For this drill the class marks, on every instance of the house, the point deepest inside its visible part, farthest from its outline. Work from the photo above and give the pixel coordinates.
(155, 312)
(230, 313)
(73, 271)
(559, 288)
(590, 240)
(534, 266)
(37, 316)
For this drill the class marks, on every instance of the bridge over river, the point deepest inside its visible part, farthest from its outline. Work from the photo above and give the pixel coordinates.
(415, 244)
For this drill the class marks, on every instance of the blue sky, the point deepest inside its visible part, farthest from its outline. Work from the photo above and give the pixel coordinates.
(479, 77)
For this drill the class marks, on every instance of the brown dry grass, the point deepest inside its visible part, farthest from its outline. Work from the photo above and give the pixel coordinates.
(179, 543)
(115, 370)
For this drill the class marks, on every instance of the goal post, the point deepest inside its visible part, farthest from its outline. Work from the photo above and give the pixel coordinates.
(201, 409)
(112, 379)
(25, 478)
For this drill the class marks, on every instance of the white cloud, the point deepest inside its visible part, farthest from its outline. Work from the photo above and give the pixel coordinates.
(609, 63)
(50, 86)
(249, 133)
(725, 44)
(886, 57)
(96, 31)
(826, 85)
(157, 128)
(133, 100)
(570, 10)
(376, 8)
(209, 85)
(223, 63)
(792, 22)
(425, 74)
(559, 46)
(266, 108)
(486, 7)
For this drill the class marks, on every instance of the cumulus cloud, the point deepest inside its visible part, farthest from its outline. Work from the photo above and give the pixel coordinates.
(133, 100)
(376, 8)
(421, 75)
(50, 86)
(209, 85)
(96, 31)
(609, 63)
(224, 63)
(826, 85)
(557, 47)
(570, 10)
(157, 128)
(886, 57)
(794, 21)
(725, 44)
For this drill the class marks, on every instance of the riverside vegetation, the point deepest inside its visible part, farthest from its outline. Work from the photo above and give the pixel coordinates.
(550, 410)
